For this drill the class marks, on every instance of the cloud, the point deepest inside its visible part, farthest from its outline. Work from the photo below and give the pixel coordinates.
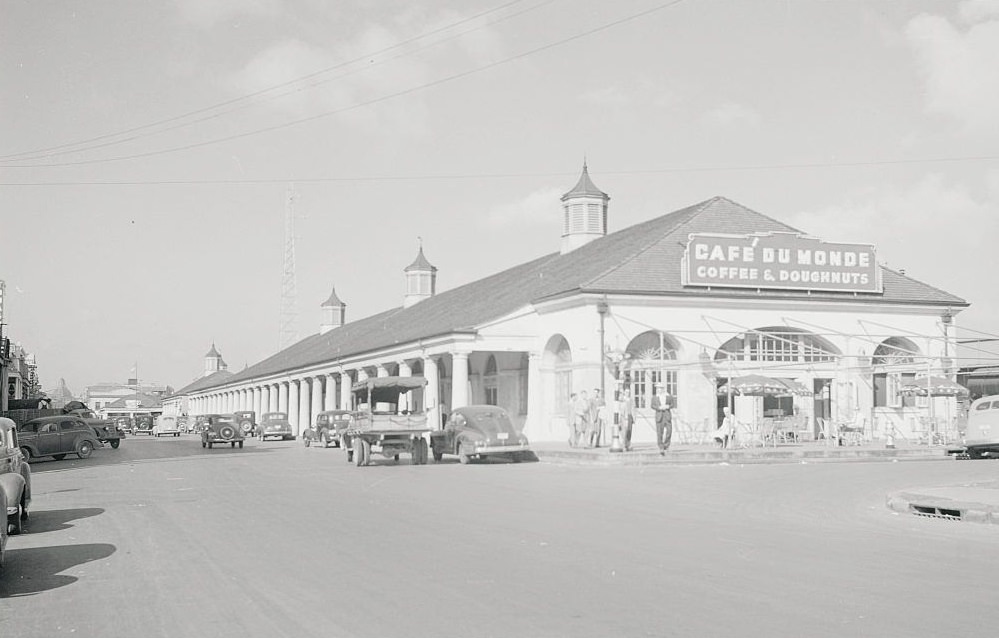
(976, 10)
(208, 13)
(732, 115)
(346, 88)
(607, 96)
(540, 208)
(939, 232)
(959, 67)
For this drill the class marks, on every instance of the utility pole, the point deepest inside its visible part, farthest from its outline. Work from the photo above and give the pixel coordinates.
(289, 292)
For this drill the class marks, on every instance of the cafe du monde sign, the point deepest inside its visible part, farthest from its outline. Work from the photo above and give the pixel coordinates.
(779, 260)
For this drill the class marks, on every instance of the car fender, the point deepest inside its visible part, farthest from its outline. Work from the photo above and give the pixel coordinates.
(13, 486)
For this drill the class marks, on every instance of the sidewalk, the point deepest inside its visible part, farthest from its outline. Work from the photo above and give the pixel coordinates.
(708, 453)
(977, 502)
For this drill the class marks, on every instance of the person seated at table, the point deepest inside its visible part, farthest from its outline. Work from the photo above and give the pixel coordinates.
(727, 428)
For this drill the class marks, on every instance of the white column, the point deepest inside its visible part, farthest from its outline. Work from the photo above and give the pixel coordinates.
(431, 393)
(275, 400)
(283, 397)
(535, 405)
(345, 384)
(317, 397)
(459, 380)
(293, 406)
(304, 403)
(329, 396)
(265, 400)
(381, 371)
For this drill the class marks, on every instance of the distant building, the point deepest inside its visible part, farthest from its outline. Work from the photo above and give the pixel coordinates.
(98, 397)
(216, 371)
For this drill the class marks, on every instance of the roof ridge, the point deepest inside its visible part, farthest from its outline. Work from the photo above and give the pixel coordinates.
(641, 251)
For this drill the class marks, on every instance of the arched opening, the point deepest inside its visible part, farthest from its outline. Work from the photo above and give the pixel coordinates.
(557, 358)
(778, 343)
(490, 383)
(650, 359)
(895, 362)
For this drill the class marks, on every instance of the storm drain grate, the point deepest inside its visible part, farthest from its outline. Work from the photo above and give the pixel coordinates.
(935, 512)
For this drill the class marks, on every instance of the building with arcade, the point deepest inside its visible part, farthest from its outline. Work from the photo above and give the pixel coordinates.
(689, 300)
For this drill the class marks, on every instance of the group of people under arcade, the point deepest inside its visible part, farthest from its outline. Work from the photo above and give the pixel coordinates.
(589, 417)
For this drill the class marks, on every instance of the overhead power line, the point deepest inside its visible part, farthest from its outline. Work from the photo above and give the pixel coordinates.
(383, 98)
(247, 100)
(464, 176)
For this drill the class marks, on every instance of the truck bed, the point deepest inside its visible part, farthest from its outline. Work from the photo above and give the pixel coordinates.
(388, 424)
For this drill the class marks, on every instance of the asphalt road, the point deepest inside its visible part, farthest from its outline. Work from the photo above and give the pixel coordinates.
(164, 538)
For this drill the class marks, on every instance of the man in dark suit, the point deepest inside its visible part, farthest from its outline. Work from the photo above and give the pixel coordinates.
(662, 403)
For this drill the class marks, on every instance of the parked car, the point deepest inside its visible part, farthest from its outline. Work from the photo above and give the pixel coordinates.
(107, 430)
(198, 426)
(329, 428)
(183, 423)
(247, 420)
(144, 425)
(275, 424)
(15, 481)
(56, 436)
(220, 429)
(478, 431)
(166, 425)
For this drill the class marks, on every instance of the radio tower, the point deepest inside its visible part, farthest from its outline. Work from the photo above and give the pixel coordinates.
(289, 293)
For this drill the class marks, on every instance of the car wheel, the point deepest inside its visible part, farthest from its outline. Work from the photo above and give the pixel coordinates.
(83, 449)
(232, 444)
(307, 441)
(203, 444)
(227, 432)
(115, 443)
(26, 453)
(463, 457)
(438, 455)
(241, 445)
(58, 457)
(209, 445)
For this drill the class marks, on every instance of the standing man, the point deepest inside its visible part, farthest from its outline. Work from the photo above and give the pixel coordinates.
(596, 418)
(626, 418)
(662, 403)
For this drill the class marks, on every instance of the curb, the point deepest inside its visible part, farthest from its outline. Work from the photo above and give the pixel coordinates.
(740, 457)
(943, 507)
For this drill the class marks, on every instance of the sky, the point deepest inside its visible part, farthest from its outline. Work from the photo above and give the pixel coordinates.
(148, 150)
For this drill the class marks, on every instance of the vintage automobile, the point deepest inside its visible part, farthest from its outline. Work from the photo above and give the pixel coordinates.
(329, 428)
(183, 423)
(198, 425)
(56, 436)
(166, 425)
(15, 479)
(108, 431)
(144, 424)
(247, 420)
(221, 429)
(275, 424)
(479, 431)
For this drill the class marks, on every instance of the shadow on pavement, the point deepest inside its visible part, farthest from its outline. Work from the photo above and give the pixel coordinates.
(55, 520)
(34, 570)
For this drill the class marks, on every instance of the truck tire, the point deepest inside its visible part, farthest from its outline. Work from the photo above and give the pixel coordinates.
(26, 453)
(463, 457)
(115, 443)
(241, 445)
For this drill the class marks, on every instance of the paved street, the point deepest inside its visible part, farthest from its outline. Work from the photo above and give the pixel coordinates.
(163, 538)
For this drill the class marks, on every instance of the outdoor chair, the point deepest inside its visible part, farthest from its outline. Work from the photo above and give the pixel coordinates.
(853, 433)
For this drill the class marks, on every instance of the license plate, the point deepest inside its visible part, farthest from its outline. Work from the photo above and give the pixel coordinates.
(502, 436)
(376, 448)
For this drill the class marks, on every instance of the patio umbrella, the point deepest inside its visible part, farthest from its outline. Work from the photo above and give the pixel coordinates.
(754, 385)
(934, 387)
(795, 388)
